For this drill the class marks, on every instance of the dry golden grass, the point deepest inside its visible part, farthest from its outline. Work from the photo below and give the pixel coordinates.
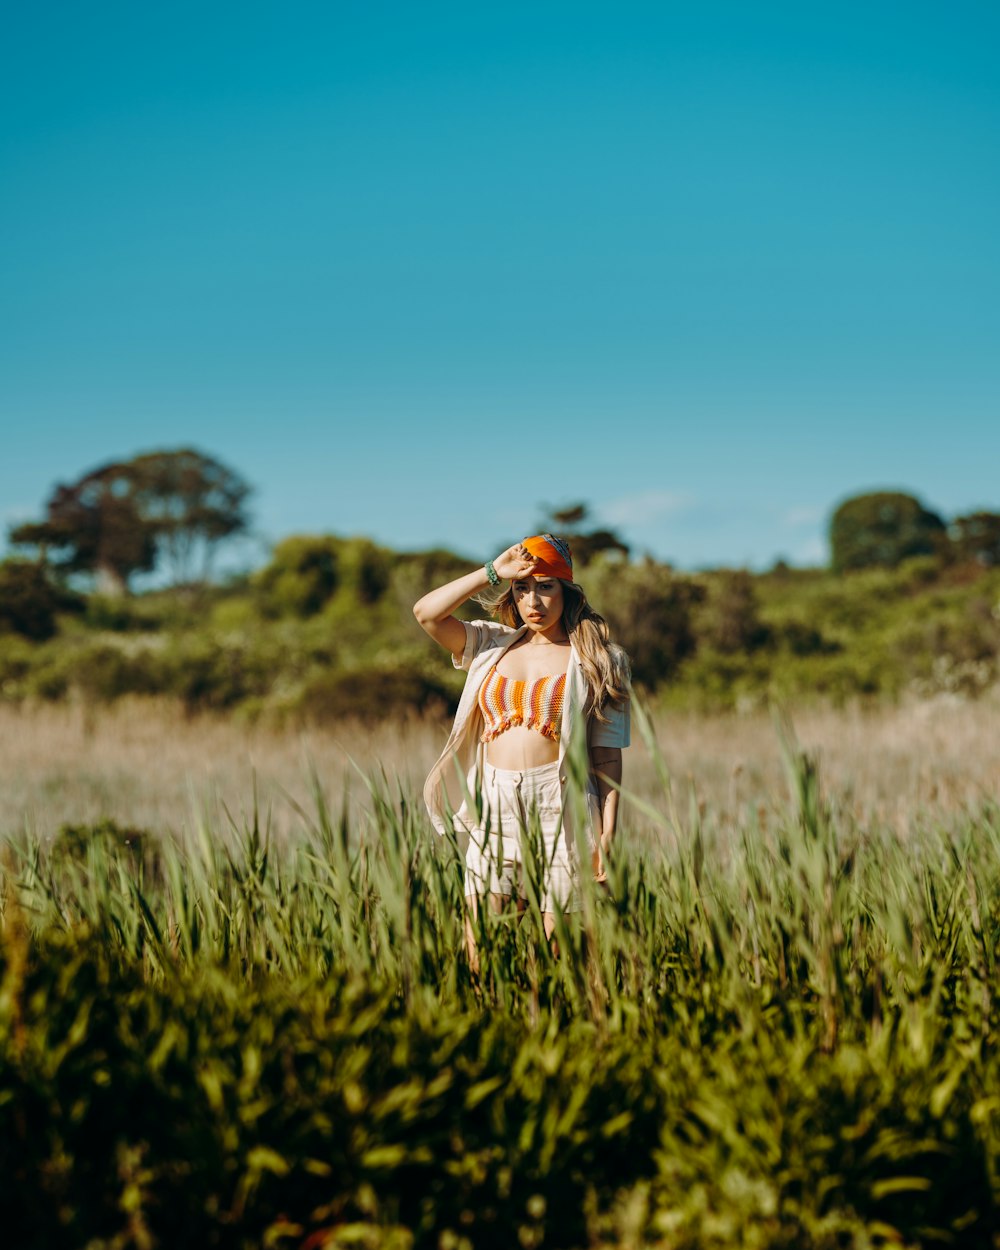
(144, 764)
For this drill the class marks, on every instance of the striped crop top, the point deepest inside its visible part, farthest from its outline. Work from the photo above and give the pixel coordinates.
(505, 702)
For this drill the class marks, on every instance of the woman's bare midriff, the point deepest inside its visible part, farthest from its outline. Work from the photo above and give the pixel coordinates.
(521, 748)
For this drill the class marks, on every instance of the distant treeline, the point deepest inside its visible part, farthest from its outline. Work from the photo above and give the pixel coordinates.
(324, 629)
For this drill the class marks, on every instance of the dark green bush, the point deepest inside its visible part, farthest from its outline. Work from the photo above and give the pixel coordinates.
(730, 620)
(375, 694)
(303, 574)
(208, 673)
(104, 672)
(118, 614)
(649, 610)
(30, 600)
(802, 639)
(366, 569)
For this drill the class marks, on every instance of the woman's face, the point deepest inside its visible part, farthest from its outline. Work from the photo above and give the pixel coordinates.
(539, 600)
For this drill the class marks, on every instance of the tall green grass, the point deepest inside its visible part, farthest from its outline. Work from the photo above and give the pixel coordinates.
(780, 1033)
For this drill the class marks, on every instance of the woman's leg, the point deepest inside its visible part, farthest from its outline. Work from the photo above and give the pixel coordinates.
(491, 858)
(549, 923)
(497, 903)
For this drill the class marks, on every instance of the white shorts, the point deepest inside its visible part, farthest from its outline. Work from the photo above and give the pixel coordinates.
(522, 824)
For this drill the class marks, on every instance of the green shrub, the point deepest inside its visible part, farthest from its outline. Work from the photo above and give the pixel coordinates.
(30, 601)
(649, 610)
(17, 660)
(100, 671)
(116, 613)
(210, 673)
(415, 573)
(366, 569)
(802, 639)
(729, 621)
(375, 694)
(303, 574)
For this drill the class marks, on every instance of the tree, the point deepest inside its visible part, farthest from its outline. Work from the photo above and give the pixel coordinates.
(568, 523)
(189, 500)
(94, 526)
(883, 528)
(976, 537)
(116, 519)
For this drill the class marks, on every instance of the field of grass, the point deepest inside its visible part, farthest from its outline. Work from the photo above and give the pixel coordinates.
(145, 764)
(777, 1030)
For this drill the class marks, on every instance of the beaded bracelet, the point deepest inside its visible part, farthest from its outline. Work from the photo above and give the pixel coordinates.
(492, 575)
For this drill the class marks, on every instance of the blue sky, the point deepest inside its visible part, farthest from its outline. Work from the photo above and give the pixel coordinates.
(415, 270)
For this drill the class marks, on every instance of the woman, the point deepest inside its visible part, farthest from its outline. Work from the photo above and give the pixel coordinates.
(540, 678)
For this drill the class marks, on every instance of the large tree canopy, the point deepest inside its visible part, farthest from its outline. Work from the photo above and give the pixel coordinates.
(976, 537)
(117, 519)
(94, 526)
(882, 528)
(189, 501)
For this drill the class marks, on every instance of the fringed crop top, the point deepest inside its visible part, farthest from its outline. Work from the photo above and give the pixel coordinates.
(505, 702)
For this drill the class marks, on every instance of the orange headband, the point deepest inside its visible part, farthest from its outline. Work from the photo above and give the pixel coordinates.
(553, 556)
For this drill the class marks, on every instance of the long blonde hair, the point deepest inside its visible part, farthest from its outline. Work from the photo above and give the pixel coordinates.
(605, 665)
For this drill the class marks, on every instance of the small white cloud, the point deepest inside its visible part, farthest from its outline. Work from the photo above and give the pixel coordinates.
(644, 507)
(796, 517)
(812, 552)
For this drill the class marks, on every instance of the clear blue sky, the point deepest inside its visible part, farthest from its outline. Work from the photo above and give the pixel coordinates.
(415, 269)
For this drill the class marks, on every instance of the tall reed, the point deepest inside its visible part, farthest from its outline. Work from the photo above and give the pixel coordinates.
(780, 1037)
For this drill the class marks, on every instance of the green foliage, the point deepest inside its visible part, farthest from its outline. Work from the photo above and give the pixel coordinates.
(783, 1039)
(883, 528)
(415, 572)
(976, 537)
(366, 569)
(326, 612)
(649, 610)
(29, 601)
(120, 615)
(375, 694)
(301, 577)
(306, 572)
(730, 621)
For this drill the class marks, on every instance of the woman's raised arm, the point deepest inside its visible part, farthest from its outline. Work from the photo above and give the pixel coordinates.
(434, 611)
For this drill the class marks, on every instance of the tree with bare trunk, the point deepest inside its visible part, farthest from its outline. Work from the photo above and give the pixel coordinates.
(93, 526)
(120, 518)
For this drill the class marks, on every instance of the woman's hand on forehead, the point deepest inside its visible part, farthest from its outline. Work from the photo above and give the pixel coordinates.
(515, 562)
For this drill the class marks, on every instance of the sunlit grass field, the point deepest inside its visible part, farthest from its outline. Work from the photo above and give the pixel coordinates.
(145, 764)
(236, 1012)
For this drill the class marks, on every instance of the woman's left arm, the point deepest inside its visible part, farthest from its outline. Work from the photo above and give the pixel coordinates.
(606, 767)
